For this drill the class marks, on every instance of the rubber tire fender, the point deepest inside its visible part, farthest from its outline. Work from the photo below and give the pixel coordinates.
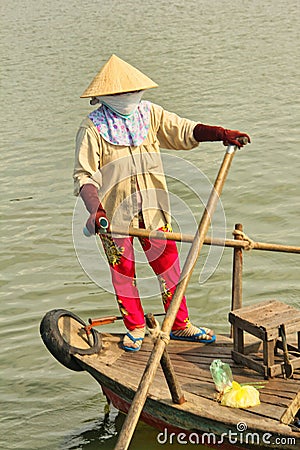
(58, 346)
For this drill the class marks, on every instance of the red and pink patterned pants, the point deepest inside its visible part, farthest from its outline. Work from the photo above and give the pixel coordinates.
(163, 257)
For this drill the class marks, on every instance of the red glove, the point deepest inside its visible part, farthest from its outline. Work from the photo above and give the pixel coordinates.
(231, 137)
(97, 220)
(204, 133)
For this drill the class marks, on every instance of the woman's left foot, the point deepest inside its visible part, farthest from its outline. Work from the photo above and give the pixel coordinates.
(194, 334)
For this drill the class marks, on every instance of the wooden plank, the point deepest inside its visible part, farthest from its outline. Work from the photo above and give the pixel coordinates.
(270, 407)
(200, 354)
(255, 347)
(238, 339)
(291, 411)
(237, 274)
(264, 312)
(213, 353)
(276, 406)
(200, 349)
(256, 306)
(206, 407)
(181, 363)
(269, 411)
(286, 396)
(249, 362)
(268, 353)
(201, 358)
(281, 384)
(268, 317)
(291, 348)
(290, 318)
(190, 371)
(251, 328)
(274, 400)
(203, 406)
(278, 369)
(193, 373)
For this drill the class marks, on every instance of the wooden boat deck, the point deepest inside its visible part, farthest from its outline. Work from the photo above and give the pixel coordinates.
(120, 372)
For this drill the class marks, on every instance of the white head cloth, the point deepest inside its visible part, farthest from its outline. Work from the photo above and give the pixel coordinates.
(122, 104)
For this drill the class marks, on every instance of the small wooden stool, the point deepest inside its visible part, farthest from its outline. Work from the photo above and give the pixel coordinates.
(264, 320)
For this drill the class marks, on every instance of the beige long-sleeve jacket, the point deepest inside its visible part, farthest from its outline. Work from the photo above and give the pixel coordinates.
(127, 177)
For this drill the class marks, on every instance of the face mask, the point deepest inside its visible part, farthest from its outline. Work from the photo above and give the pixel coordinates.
(122, 104)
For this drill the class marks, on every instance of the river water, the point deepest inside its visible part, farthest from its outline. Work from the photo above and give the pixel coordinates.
(230, 63)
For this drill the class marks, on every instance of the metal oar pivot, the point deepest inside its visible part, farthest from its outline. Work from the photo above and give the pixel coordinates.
(106, 321)
(159, 347)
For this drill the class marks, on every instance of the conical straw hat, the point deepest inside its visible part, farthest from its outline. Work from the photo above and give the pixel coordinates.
(115, 77)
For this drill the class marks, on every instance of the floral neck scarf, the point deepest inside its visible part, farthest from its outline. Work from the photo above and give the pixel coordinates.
(118, 130)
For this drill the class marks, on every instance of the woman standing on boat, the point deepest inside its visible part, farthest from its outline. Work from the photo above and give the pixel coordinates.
(118, 173)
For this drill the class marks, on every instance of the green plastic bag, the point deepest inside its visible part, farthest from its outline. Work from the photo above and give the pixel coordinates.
(221, 374)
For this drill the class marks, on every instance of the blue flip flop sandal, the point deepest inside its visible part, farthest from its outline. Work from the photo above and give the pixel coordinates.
(134, 340)
(194, 338)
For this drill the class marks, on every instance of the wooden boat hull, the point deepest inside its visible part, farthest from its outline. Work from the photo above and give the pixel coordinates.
(201, 419)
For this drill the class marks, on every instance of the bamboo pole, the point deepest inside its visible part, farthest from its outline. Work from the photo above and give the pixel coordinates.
(167, 367)
(275, 247)
(188, 238)
(159, 347)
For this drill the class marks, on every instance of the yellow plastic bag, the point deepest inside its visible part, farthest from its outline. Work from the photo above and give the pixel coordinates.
(240, 396)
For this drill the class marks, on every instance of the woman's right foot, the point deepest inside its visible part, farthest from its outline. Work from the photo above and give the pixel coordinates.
(133, 339)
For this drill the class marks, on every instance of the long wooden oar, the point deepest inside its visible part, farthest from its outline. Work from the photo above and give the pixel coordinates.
(188, 238)
(158, 349)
